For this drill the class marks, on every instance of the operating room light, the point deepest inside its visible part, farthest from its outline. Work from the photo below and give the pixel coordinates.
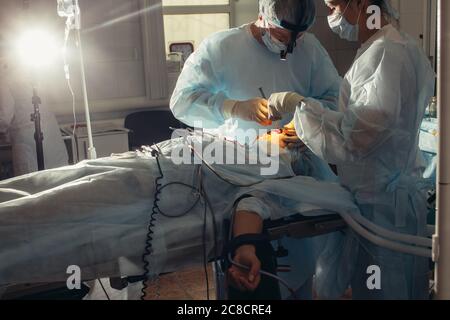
(37, 49)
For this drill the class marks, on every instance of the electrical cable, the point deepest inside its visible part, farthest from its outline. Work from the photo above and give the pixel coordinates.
(235, 184)
(201, 195)
(104, 290)
(262, 272)
(148, 242)
(205, 267)
(157, 210)
(268, 274)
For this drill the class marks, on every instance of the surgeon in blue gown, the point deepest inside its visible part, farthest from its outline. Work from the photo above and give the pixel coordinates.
(222, 84)
(373, 139)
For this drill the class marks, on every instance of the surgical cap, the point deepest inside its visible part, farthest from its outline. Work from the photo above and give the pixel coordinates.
(296, 12)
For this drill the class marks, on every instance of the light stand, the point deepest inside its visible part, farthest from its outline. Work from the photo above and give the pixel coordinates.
(38, 135)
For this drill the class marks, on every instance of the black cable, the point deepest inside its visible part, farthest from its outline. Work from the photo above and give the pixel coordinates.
(201, 195)
(235, 184)
(104, 290)
(205, 266)
(184, 212)
(157, 210)
(148, 242)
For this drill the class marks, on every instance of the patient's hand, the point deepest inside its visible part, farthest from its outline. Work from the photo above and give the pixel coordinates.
(243, 279)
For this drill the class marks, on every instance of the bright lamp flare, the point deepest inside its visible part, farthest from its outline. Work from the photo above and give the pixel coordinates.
(37, 48)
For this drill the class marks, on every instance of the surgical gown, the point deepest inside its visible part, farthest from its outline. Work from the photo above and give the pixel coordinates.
(233, 65)
(373, 139)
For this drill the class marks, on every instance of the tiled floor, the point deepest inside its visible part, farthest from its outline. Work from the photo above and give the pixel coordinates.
(189, 284)
(184, 285)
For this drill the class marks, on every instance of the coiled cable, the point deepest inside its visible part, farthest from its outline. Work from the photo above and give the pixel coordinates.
(148, 242)
(201, 195)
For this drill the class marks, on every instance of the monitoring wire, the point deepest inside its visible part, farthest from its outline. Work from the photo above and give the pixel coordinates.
(201, 195)
(149, 238)
(104, 290)
(262, 272)
(205, 266)
(157, 210)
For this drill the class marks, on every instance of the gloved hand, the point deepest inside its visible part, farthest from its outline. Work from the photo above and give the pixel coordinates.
(243, 279)
(290, 138)
(292, 141)
(283, 103)
(252, 110)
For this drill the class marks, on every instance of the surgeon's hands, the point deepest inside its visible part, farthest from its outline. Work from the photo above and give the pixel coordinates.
(284, 103)
(252, 110)
(290, 139)
(286, 138)
(245, 279)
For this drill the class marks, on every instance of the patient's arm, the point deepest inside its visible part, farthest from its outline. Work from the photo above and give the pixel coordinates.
(246, 223)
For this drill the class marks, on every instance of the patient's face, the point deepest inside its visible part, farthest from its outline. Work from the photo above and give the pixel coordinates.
(274, 137)
(278, 136)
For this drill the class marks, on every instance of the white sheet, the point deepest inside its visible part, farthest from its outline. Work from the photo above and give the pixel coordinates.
(95, 215)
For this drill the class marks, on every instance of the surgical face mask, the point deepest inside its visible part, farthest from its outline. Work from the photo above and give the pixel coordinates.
(342, 27)
(272, 44)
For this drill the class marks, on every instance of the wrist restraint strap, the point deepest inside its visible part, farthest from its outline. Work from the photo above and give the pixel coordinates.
(246, 239)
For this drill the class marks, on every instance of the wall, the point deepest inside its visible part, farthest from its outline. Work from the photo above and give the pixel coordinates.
(341, 52)
(246, 11)
(412, 21)
(412, 18)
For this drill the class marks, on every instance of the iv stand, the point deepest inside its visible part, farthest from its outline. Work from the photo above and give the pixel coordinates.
(74, 22)
(91, 148)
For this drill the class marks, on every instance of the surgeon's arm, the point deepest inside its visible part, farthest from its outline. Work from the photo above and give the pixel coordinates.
(367, 122)
(199, 95)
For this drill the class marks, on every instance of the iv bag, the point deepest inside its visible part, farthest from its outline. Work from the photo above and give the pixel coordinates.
(66, 8)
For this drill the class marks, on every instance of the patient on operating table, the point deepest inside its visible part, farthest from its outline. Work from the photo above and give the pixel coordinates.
(110, 201)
